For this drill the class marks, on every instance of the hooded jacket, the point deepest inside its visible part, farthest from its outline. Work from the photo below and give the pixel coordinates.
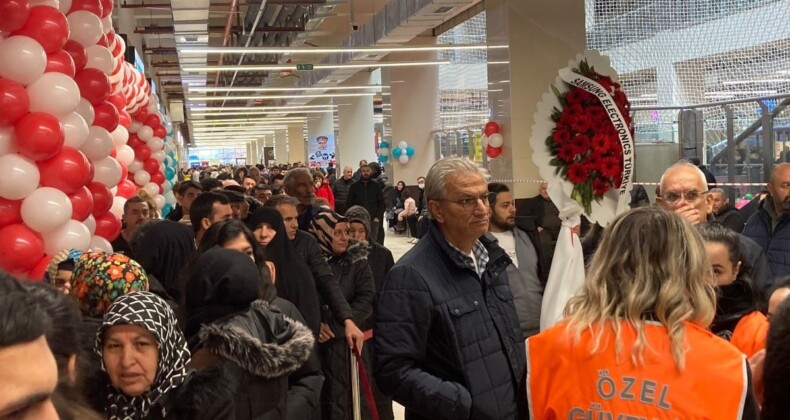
(340, 190)
(772, 234)
(729, 216)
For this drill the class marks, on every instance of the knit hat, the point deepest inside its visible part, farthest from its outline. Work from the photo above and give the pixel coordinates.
(360, 215)
(323, 228)
(63, 256)
(100, 278)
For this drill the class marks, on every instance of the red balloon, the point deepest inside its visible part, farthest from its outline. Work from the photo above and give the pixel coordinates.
(142, 114)
(493, 152)
(47, 26)
(77, 53)
(118, 100)
(151, 165)
(14, 101)
(38, 136)
(102, 198)
(38, 270)
(106, 116)
(91, 170)
(124, 119)
(153, 121)
(143, 152)
(10, 212)
(106, 6)
(126, 189)
(67, 171)
(104, 41)
(20, 248)
(134, 141)
(94, 85)
(60, 62)
(81, 204)
(108, 226)
(491, 128)
(157, 177)
(160, 131)
(93, 6)
(124, 171)
(14, 13)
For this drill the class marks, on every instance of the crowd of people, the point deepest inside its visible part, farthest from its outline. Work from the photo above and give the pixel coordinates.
(251, 297)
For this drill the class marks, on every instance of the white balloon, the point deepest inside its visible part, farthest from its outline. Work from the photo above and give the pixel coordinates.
(403, 145)
(100, 244)
(152, 189)
(496, 140)
(117, 87)
(170, 198)
(167, 186)
(145, 133)
(72, 235)
(118, 38)
(152, 107)
(22, 59)
(168, 148)
(156, 144)
(142, 177)
(53, 93)
(98, 145)
(106, 23)
(115, 80)
(159, 156)
(384, 151)
(90, 223)
(85, 109)
(135, 166)
(117, 206)
(107, 171)
(120, 136)
(161, 167)
(64, 6)
(46, 209)
(19, 177)
(84, 27)
(100, 58)
(114, 191)
(135, 125)
(124, 154)
(75, 128)
(55, 4)
(7, 140)
(160, 201)
(404, 159)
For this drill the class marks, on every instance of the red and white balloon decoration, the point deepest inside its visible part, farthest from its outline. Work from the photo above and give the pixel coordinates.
(492, 140)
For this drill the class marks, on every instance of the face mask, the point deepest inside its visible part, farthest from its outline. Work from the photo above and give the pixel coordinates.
(421, 186)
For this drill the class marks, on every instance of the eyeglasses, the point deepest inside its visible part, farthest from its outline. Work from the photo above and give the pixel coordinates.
(690, 196)
(470, 204)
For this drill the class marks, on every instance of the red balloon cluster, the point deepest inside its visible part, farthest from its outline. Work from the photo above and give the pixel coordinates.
(492, 140)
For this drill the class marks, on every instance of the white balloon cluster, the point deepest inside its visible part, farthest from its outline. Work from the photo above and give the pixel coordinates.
(403, 152)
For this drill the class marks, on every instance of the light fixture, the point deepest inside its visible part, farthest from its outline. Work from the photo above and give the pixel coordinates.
(225, 121)
(744, 82)
(204, 69)
(273, 113)
(744, 92)
(332, 50)
(244, 108)
(281, 89)
(263, 97)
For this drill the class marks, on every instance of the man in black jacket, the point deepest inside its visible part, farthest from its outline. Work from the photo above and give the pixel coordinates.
(368, 193)
(724, 212)
(340, 189)
(448, 342)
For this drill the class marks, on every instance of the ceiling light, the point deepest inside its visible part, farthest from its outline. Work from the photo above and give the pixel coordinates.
(745, 92)
(257, 120)
(243, 108)
(743, 82)
(203, 69)
(262, 97)
(281, 89)
(332, 50)
(267, 112)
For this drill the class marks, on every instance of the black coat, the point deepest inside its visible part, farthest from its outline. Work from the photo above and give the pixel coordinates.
(259, 349)
(329, 291)
(368, 194)
(729, 216)
(340, 190)
(448, 342)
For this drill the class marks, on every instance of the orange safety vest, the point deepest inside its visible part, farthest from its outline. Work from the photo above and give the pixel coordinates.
(750, 333)
(567, 381)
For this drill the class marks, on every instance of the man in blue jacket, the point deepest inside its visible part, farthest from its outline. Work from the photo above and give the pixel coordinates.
(770, 226)
(448, 341)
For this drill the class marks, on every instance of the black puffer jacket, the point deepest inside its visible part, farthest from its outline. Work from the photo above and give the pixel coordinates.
(258, 349)
(729, 216)
(353, 273)
(340, 190)
(448, 342)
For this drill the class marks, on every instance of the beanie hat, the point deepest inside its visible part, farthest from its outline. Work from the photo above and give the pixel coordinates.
(360, 215)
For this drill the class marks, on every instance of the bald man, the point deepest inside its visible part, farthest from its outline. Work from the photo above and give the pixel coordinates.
(770, 226)
(684, 190)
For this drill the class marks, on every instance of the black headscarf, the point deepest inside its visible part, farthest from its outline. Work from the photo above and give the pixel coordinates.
(163, 252)
(223, 284)
(294, 280)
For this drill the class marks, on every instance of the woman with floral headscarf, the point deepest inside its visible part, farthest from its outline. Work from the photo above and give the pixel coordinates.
(144, 364)
(348, 260)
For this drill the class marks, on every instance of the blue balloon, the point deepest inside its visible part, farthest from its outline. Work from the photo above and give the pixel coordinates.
(383, 159)
(169, 173)
(409, 151)
(397, 152)
(384, 145)
(167, 209)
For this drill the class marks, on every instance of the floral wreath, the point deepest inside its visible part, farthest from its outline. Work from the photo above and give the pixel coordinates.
(583, 138)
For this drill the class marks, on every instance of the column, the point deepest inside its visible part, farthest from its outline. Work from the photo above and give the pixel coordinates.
(249, 157)
(414, 97)
(259, 146)
(543, 35)
(355, 139)
(296, 143)
(254, 148)
(281, 146)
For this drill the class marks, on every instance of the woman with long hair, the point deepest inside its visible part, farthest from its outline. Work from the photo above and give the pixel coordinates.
(635, 341)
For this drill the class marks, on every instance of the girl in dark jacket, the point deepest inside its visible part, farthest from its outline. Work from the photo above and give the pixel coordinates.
(348, 260)
(144, 363)
(230, 326)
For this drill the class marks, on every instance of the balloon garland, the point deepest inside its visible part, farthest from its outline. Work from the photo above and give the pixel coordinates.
(384, 152)
(403, 152)
(492, 140)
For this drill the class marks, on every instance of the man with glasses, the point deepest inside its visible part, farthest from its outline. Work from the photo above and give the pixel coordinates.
(770, 226)
(448, 341)
(684, 190)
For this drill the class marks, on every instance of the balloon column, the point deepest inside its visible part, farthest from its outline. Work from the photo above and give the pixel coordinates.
(384, 152)
(403, 152)
(55, 166)
(492, 140)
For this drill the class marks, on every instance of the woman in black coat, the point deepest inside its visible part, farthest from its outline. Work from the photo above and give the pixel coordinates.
(349, 264)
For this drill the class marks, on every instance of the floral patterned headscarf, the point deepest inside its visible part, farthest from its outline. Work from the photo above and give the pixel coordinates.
(100, 278)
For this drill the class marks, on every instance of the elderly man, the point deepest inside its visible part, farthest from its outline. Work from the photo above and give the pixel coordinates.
(448, 342)
(369, 193)
(298, 184)
(684, 190)
(770, 226)
(724, 212)
(340, 189)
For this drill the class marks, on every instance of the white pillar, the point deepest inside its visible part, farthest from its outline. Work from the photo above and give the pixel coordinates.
(355, 139)
(281, 146)
(296, 143)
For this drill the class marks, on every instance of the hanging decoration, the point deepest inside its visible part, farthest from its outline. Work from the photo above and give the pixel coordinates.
(403, 152)
(492, 140)
(384, 152)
